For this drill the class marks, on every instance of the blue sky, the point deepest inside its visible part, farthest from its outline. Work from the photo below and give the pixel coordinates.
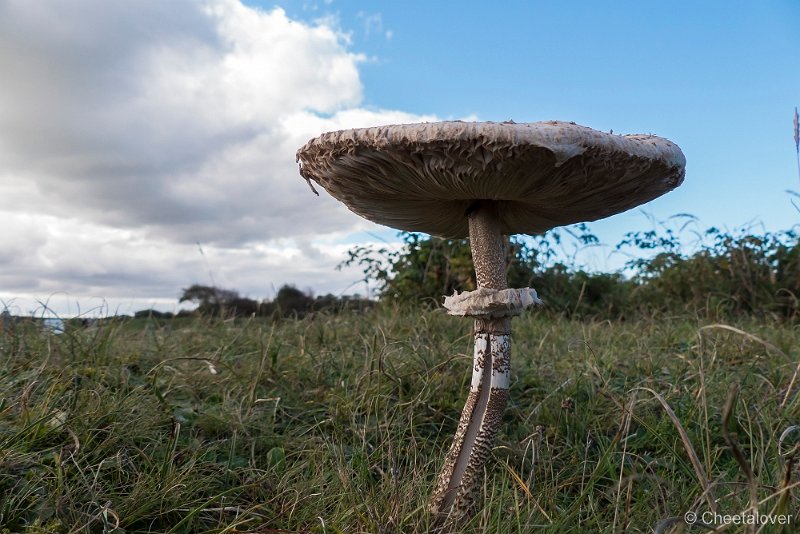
(134, 133)
(720, 78)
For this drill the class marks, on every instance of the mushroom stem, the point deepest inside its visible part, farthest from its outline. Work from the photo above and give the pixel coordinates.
(459, 481)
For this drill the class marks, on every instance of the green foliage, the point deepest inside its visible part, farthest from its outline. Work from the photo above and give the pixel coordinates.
(578, 293)
(339, 423)
(733, 273)
(429, 267)
(729, 273)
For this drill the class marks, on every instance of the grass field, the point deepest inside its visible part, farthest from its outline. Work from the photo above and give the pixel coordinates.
(338, 423)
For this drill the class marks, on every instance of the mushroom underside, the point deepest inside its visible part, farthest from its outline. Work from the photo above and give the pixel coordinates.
(431, 192)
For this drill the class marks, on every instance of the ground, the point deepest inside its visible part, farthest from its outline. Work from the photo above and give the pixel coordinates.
(339, 423)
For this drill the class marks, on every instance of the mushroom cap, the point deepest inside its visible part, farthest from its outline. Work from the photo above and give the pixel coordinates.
(425, 177)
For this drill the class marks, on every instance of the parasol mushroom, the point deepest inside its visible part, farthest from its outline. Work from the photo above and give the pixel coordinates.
(482, 181)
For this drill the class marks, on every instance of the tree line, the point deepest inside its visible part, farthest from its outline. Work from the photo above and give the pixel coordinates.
(730, 273)
(289, 301)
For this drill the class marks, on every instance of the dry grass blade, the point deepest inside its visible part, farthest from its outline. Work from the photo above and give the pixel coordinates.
(787, 462)
(625, 430)
(790, 387)
(797, 141)
(796, 131)
(783, 437)
(748, 335)
(525, 489)
(687, 444)
(102, 514)
(733, 443)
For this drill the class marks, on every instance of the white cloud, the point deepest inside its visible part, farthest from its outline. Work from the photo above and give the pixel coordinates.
(373, 23)
(132, 130)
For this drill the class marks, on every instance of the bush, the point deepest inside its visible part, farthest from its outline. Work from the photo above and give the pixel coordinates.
(730, 273)
(735, 273)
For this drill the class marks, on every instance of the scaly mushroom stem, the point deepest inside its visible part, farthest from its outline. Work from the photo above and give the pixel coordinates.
(459, 482)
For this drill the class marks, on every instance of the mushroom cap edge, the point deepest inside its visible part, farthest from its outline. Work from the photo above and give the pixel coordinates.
(424, 177)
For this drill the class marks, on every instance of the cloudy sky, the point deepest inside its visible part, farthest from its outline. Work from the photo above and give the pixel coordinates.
(149, 145)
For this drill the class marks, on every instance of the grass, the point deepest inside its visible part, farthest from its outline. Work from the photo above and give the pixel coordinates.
(339, 424)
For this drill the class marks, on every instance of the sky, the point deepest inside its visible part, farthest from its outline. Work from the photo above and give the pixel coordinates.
(146, 146)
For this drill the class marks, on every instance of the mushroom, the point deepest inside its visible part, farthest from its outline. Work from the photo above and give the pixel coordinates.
(483, 181)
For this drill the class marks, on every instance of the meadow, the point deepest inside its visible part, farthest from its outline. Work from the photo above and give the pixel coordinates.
(339, 423)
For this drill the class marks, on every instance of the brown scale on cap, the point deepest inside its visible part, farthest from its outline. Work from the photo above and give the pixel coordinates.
(486, 180)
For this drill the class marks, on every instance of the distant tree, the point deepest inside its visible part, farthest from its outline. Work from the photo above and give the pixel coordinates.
(242, 307)
(333, 304)
(155, 314)
(289, 301)
(207, 298)
(214, 301)
(292, 301)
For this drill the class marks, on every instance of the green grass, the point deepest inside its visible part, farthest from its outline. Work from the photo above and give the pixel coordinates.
(339, 424)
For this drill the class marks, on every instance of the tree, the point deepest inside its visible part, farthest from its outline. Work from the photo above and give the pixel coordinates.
(214, 301)
(292, 301)
(153, 314)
